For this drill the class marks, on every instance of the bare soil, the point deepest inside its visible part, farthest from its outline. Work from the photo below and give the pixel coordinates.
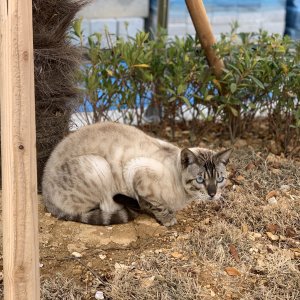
(244, 247)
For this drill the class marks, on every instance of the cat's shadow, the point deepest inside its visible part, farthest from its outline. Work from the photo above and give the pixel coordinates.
(127, 201)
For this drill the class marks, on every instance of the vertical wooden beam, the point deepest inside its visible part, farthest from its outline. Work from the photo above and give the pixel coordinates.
(204, 32)
(19, 187)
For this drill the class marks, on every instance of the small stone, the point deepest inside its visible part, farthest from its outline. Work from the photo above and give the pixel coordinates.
(285, 188)
(272, 237)
(212, 293)
(157, 251)
(119, 266)
(76, 254)
(48, 214)
(76, 247)
(99, 295)
(102, 256)
(148, 282)
(272, 201)
(257, 235)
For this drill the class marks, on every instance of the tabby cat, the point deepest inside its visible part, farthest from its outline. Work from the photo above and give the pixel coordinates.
(107, 172)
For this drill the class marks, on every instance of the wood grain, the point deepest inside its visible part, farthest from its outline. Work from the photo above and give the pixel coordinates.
(19, 195)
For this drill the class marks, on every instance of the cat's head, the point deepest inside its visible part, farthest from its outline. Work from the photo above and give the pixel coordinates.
(204, 172)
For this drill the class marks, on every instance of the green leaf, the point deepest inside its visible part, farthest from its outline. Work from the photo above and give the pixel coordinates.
(257, 81)
(186, 100)
(208, 97)
(233, 88)
(181, 88)
(234, 111)
(77, 27)
(235, 68)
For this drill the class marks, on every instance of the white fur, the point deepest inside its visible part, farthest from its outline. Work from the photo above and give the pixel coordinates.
(136, 164)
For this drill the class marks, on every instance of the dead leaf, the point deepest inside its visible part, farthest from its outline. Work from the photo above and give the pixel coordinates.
(206, 221)
(250, 166)
(245, 228)
(295, 249)
(240, 178)
(290, 232)
(272, 236)
(188, 229)
(232, 271)
(296, 252)
(276, 171)
(256, 185)
(273, 228)
(234, 253)
(176, 254)
(271, 194)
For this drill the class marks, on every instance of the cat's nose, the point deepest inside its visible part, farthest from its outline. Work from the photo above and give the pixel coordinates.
(212, 194)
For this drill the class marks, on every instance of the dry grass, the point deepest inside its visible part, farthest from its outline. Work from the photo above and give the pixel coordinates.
(269, 269)
(190, 264)
(60, 288)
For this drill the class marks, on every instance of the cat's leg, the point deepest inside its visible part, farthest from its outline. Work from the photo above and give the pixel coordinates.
(162, 214)
(152, 191)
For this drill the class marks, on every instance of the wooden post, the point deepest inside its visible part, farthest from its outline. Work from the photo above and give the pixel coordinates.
(19, 196)
(204, 32)
(163, 12)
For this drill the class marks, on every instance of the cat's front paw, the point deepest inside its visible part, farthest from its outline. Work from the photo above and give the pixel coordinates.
(171, 222)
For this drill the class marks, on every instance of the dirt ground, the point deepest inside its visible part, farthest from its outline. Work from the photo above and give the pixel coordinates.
(244, 247)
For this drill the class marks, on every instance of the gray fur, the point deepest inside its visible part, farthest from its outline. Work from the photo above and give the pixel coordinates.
(96, 174)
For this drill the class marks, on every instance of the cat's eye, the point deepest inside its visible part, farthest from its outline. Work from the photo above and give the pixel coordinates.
(220, 179)
(200, 179)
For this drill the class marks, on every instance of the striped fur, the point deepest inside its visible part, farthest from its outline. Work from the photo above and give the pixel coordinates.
(106, 173)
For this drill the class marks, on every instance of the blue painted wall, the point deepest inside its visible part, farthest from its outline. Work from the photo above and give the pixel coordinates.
(251, 15)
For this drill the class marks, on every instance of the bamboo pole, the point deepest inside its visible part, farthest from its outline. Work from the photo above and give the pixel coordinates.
(19, 196)
(204, 32)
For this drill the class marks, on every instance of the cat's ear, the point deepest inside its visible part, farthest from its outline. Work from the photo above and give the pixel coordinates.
(187, 157)
(223, 156)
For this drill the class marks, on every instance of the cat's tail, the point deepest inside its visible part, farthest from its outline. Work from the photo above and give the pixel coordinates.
(129, 210)
(99, 217)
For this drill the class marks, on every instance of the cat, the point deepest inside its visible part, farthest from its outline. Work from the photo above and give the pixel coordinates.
(106, 173)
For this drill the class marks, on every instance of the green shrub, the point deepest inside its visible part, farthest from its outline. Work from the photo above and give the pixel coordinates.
(261, 78)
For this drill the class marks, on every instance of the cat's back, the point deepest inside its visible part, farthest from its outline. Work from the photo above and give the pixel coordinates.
(107, 138)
